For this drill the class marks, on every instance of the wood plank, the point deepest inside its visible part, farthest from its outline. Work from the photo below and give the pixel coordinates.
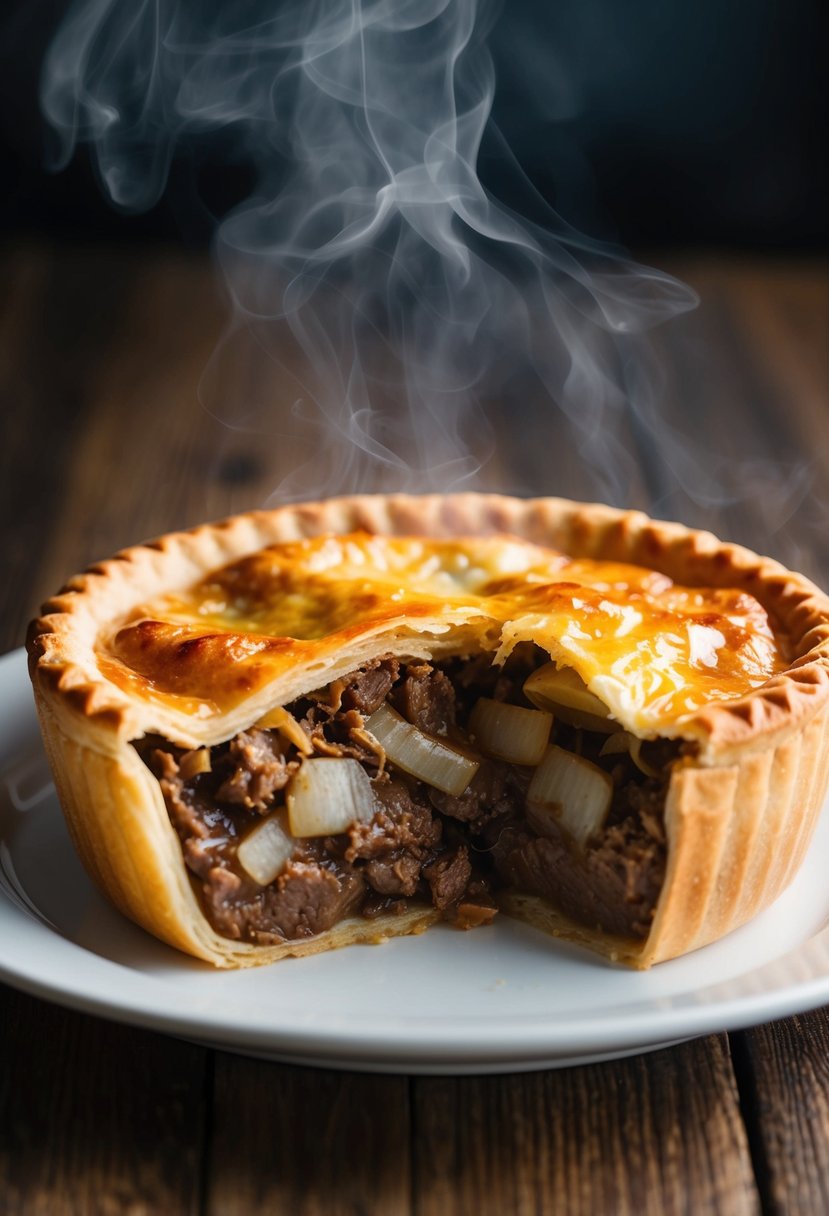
(135, 469)
(59, 310)
(747, 381)
(658, 1134)
(782, 323)
(307, 1142)
(104, 441)
(143, 413)
(781, 311)
(151, 456)
(96, 1117)
(783, 1072)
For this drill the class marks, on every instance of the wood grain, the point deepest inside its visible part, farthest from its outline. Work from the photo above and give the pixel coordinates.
(658, 1134)
(784, 1079)
(307, 1142)
(747, 376)
(104, 439)
(48, 345)
(107, 436)
(96, 1118)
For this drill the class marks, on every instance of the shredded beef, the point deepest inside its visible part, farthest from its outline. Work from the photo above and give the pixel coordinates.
(421, 843)
(427, 698)
(448, 877)
(401, 823)
(259, 770)
(306, 899)
(492, 791)
(376, 905)
(646, 800)
(340, 733)
(394, 876)
(612, 885)
(368, 688)
(478, 676)
(207, 831)
(187, 818)
(398, 841)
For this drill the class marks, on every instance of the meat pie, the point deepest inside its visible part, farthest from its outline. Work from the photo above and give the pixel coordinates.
(343, 721)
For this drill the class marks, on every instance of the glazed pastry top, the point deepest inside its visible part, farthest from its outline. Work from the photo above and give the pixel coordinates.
(653, 651)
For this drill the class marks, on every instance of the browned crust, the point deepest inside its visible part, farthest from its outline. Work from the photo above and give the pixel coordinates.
(737, 835)
(738, 818)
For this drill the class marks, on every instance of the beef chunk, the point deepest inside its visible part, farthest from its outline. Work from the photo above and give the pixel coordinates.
(646, 801)
(398, 841)
(426, 698)
(339, 733)
(393, 876)
(207, 831)
(612, 885)
(258, 770)
(494, 790)
(400, 824)
(448, 878)
(368, 688)
(187, 818)
(306, 899)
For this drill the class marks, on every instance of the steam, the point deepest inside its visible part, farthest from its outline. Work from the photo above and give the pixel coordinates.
(394, 326)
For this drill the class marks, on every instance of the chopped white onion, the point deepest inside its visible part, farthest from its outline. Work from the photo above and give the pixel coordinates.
(419, 754)
(265, 851)
(327, 795)
(563, 692)
(510, 732)
(570, 791)
(279, 719)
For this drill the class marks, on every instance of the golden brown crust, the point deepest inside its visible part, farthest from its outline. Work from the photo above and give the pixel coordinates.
(738, 818)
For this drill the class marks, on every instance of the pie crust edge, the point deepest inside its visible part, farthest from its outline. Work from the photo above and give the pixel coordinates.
(763, 759)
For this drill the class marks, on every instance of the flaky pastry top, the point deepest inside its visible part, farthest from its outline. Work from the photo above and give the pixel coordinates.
(197, 635)
(651, 650)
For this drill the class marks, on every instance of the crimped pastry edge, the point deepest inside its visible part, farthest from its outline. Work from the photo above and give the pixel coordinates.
(762, 759)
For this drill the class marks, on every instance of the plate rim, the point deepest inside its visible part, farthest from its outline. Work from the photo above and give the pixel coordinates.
(532, 1041)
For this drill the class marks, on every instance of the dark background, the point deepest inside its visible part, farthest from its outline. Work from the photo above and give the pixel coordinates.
(650, 122)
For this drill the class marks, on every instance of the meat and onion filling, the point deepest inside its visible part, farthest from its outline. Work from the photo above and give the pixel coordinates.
(410, 782)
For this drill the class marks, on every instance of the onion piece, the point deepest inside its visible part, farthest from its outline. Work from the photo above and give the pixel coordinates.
(563, 692)
(510, 732)
(419, 754)
(571, 792)
(639, 760)
(194, 763)
(327, 795)
(621, 742)
(266, 850)
(279, 719)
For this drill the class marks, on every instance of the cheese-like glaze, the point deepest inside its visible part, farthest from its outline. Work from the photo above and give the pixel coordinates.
(651, 650)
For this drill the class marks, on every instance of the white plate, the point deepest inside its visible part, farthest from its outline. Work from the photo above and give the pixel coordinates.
(500, 999)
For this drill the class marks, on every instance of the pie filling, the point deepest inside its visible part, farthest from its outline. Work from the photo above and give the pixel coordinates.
(535, 760)
(412, 783)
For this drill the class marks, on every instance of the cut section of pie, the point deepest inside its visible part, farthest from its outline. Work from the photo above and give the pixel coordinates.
(342, 721)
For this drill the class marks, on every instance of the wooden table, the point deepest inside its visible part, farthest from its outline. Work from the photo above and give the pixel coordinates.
(103, 443)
